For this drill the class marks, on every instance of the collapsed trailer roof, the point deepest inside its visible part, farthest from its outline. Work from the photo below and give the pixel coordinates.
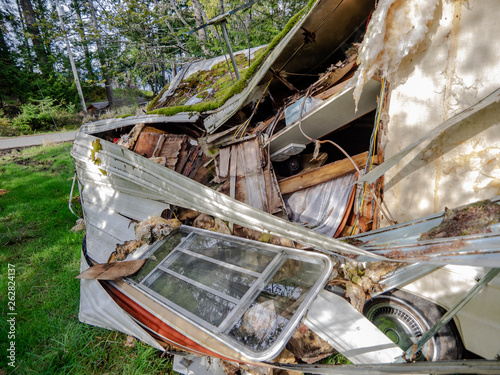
(310, 43)
(120, 186)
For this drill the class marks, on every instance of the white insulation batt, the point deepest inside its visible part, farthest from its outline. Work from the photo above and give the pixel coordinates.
(396, 27)
(446, 61)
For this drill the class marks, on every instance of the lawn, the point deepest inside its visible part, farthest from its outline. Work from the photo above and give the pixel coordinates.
(36, 242)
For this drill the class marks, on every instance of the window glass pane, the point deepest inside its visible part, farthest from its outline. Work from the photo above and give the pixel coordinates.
(234, 253)
(260, 325)
(222, 279)
(171, 242)
(204, 305)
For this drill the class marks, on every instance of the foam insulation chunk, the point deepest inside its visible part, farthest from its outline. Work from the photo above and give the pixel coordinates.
(395, 28)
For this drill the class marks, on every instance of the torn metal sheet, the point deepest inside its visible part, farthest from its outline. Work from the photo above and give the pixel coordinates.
(115, 123)
(321, 207)
(347, 330)
(190, 364)
(403, 241)
(130, 173)
(473, 250)
(97, 308)
(465, 366)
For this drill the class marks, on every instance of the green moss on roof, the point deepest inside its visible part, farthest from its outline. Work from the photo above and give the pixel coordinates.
(154, 102)
(224, 94)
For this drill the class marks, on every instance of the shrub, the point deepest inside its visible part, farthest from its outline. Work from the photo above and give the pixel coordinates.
(41, 115)
(6, 128)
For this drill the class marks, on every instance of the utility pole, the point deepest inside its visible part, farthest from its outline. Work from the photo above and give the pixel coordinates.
(73, 66)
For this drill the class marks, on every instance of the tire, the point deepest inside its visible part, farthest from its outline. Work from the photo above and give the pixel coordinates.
(404, 318)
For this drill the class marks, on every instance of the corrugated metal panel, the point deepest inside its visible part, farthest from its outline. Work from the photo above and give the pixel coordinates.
(114, 123)
(128, 172)
(321, 207)
(135, 175)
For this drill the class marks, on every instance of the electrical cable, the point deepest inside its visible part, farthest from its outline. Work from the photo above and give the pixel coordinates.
(317, 144)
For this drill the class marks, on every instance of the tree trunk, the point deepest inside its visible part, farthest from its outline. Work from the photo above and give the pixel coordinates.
(8, 71)
(102, 59)
(25, 39)
(198, 17)
(36, 38)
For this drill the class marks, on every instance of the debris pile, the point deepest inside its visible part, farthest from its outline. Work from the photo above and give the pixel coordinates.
(265, 156)
(291, 139)
(147, 232)
(472, 219)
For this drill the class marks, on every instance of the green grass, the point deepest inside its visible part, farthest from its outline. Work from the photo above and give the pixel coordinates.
(35, 237)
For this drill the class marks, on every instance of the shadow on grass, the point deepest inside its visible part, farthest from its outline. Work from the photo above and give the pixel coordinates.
(35, 238)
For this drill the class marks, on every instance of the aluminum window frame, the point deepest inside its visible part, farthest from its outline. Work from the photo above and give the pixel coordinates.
(221, 332)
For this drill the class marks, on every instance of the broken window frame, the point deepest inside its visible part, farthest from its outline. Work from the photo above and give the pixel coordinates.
(222, 331)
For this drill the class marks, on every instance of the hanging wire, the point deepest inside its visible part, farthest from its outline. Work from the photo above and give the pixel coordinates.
(371, 151)
(317, 144)
(315, 30)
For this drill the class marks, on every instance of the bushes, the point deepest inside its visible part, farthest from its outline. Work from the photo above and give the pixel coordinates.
(40, 115)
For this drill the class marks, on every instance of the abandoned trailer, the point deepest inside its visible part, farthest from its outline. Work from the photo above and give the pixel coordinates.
(340, 197)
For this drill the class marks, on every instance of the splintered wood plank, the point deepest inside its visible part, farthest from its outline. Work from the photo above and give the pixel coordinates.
(250, 178)
(170, 149)
(129, 141)
(224, 157)
(112, 271)
(333, 90)
(185, 151)
(323, 174)
(146, 144)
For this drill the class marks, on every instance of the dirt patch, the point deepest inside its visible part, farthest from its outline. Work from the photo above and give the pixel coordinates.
(30, 163)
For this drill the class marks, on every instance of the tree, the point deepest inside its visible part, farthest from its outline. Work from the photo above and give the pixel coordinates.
(108, 83)
(80, 27)
(34, 34)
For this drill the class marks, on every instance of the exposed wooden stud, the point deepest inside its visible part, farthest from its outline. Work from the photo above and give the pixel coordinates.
(323, 174)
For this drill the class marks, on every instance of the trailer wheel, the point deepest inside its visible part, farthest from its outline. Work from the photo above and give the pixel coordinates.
(404, 318)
